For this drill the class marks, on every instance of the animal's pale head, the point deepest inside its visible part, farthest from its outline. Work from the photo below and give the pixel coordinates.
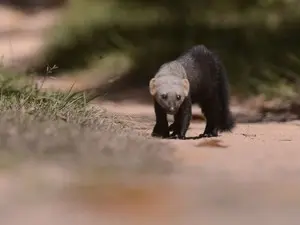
(169, 92)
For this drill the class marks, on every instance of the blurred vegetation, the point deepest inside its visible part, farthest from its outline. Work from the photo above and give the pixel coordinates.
(257, 39)
(32, 5)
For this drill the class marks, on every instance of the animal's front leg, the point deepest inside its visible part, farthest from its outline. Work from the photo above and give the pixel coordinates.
(175, 126)
(182, 119)
(172, 126)
(161, 128)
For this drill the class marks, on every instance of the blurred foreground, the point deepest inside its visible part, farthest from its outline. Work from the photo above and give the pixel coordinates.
(59, 174)
(262, 188)
(44, 194)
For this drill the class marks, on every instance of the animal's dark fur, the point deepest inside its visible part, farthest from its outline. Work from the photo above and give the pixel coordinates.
(208, 88)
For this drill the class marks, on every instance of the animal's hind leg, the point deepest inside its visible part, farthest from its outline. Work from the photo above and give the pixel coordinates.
(210, 112)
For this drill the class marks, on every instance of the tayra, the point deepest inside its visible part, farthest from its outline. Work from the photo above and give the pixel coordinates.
(197, 76)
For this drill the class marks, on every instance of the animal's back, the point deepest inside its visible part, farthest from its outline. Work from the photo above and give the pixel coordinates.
(201, 76)
(208, 79)
(170, 69)
(201, 70)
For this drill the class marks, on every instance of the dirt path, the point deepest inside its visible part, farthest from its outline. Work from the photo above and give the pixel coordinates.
(249, 176)
(261, 150)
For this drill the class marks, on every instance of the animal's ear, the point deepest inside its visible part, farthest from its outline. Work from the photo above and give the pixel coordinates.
(152, 87)
(186, 87)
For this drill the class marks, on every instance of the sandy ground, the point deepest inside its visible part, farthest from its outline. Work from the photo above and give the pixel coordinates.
(271, 146)
(250, 176)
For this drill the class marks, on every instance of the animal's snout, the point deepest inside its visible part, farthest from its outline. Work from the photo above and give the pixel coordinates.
(172, 110)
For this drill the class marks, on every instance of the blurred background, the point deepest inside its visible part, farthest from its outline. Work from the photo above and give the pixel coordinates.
(109, 39)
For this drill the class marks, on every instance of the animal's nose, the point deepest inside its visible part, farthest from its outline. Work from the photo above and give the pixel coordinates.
(172, 109)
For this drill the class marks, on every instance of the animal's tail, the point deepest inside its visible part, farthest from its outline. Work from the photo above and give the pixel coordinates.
(227, 122)
(226, 119)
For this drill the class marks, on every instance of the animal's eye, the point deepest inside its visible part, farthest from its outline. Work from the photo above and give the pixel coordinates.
(164, 96)
(178, 97)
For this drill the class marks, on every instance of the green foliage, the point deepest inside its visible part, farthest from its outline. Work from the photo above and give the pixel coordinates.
(254, 38)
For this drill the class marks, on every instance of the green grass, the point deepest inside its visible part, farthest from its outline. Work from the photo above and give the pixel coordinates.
(22, 95)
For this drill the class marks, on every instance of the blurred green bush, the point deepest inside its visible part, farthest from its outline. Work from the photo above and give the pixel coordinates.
(257, 39)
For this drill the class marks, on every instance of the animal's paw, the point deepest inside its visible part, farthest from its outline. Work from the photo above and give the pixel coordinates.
(208, 135)
(177, 136)
(172, 127)
(157, 135)
(181, 137)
